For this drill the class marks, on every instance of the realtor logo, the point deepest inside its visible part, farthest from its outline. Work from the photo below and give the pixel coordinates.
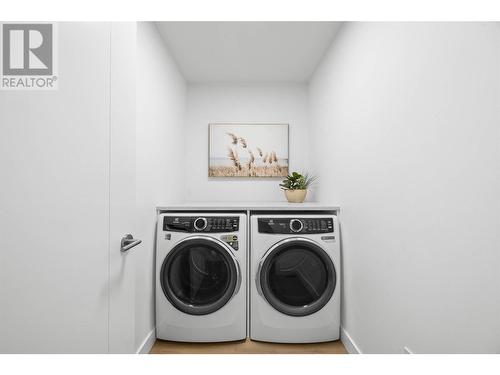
(28, 56)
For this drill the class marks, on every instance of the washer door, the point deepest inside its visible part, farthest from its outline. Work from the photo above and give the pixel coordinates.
(199, 275)
(297, 277)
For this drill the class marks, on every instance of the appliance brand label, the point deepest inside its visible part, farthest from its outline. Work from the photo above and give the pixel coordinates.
(328, 238)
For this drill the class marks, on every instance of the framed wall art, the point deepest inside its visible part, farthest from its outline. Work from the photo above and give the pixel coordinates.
(248, 150)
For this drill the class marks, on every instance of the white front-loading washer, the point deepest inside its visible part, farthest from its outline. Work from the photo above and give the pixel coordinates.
(201, 277)
(294, 278)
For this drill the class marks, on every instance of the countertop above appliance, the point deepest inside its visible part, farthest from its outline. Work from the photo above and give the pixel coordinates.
(248, 206)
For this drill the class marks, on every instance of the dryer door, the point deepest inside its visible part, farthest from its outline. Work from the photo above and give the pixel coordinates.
(297, 277)
(199, 275)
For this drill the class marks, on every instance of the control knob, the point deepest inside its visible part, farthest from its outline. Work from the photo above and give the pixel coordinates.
(200, 223)
(296, 225)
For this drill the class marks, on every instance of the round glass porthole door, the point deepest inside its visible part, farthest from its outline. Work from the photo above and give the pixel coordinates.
(199, 276)
(297, 277)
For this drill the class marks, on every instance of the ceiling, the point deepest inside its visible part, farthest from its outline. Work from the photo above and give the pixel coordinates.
(247, 51)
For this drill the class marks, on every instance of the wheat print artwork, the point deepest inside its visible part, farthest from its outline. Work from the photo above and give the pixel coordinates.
(248, 150)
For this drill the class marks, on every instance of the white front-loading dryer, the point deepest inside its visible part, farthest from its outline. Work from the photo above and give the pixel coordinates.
(201, 277)
(294, 278)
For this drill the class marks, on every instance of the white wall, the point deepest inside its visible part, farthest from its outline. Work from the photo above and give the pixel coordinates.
(161, 96)
(405, 119)
(251, 103)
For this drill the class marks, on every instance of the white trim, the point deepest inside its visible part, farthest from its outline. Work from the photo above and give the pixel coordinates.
(348, 342)
(148, 343)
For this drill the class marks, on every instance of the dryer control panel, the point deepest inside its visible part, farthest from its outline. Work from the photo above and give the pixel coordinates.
(302, 225)
(205, 224)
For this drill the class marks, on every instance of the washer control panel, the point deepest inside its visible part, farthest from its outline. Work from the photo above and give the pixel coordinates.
(206, 224)
(302, 225)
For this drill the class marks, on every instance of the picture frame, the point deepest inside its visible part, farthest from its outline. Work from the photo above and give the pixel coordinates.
(248, 150)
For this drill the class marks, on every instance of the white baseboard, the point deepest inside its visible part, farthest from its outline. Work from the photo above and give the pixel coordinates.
(348, 342)
(148, 343)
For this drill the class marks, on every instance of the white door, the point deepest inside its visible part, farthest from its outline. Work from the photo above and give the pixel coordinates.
(67, 197)
(54, 203)
(122, 189)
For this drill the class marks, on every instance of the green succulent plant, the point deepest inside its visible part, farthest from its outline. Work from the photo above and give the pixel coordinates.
(297, 181)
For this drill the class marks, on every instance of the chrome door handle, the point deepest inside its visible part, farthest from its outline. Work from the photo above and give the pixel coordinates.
(128, 242)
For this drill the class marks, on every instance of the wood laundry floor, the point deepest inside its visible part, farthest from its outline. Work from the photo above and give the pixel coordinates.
(246, 347)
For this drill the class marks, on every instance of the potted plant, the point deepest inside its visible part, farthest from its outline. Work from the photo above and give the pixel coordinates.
(295, 186)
